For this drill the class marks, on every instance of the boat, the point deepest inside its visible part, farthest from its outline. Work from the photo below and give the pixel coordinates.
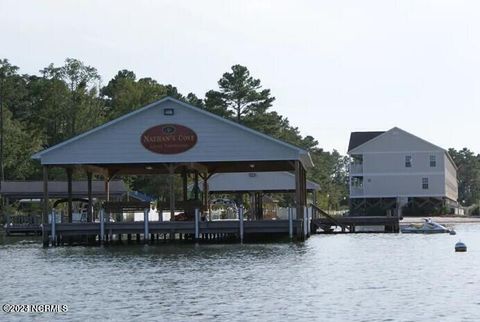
(428, 227)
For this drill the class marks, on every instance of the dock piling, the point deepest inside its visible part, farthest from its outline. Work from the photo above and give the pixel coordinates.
(197, 223)
(145, 224)
(52, 234)
(240, 218)
(102, 226)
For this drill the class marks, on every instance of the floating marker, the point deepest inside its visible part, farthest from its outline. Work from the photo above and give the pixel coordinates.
(460, 247)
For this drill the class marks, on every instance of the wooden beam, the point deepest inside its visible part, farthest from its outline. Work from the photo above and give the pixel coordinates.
(196, 185)
(171, 183)
(107, 188)
(45, 206)
(45, 195)
(184, 184)
(69, 188)
(89, 196)
(298, 190)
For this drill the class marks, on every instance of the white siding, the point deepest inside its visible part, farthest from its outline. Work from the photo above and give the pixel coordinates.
(217, 141)
(451, 183)
(385, 174)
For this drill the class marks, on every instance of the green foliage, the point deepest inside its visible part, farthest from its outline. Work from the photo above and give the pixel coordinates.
(63, 101)
(241, 93)
(468, 175)
(18, 148)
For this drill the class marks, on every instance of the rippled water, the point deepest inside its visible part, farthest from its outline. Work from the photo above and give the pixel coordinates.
(358, 277)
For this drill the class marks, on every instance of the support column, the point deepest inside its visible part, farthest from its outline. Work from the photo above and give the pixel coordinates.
(300, 184)
(45, 206)
(107, 188)
(184, 184)
(259, 205)
(290, 222)
(145, 224)
(197, 224)
(196, 185)
(171, 179)
(240, 222)
(89, 196)
(205, 196)
(69, 184)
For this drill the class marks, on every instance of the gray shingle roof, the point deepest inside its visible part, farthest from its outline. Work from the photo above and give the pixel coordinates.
(359, 138)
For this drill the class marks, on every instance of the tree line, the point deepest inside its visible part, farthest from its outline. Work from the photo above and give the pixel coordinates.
(41, 110)
(60, 102)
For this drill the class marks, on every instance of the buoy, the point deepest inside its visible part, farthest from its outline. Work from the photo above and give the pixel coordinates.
(460, 247)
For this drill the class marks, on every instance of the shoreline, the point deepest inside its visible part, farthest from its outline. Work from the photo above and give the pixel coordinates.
(442, 220)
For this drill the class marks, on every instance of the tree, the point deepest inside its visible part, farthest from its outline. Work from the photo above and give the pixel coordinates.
(468, 175)
(242, 94)
(124, 94)
(20, 145)
(214, 103)
(73, 87)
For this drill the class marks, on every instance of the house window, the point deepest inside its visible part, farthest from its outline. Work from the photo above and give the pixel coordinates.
(425, 183)
(408, 161)
(357, 182)
(433, 161)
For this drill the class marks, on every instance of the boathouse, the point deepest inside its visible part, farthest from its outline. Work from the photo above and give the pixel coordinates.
(170, 137)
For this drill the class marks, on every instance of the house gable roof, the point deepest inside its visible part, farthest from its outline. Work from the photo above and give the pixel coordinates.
(219, 139)
(392, 142)
(359, 138)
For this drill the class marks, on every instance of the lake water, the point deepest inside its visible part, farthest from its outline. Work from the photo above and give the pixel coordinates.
(357, 277)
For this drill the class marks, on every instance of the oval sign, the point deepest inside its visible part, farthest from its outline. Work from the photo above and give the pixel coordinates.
(169, 139)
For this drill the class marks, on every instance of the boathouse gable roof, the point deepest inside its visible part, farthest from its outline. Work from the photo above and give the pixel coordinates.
(218, 139)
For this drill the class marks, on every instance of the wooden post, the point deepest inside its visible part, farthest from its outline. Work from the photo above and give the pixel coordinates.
(89, 196)
(309, 220)
(197, 223)
(259, 205)
(184, 184)
(290, 222)
(172, 193)
(53, 233)
(240, 222)
(102, 225)
(145, 224)
(305, 223)
(107, 188)
(298, 192)
(45, 206)
(300, 188)
(206, 201)
(69, 184)
(196, 185)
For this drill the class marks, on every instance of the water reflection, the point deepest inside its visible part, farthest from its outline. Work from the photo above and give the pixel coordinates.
(361, 277)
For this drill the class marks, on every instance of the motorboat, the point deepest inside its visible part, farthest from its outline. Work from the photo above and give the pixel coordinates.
(427, 227)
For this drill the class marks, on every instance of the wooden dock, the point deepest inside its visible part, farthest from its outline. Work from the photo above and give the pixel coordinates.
(174, 230)
(350, 224)
(326, 223)
(23, 229)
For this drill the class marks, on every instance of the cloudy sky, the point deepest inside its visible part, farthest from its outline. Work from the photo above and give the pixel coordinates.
(334, 66)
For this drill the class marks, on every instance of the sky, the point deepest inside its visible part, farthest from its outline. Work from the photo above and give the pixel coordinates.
(333, 66)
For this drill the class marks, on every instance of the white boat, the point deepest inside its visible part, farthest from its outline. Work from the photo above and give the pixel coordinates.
(428, 227)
